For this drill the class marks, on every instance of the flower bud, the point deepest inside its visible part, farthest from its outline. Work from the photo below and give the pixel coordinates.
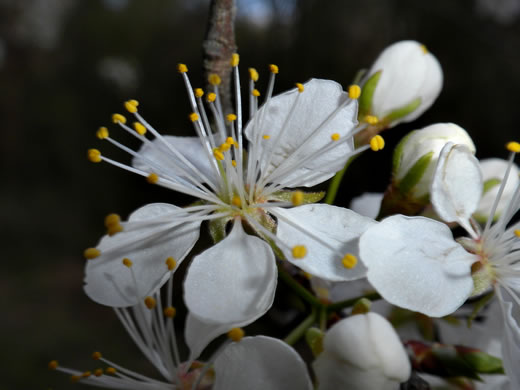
(362, 352)
(403, 82)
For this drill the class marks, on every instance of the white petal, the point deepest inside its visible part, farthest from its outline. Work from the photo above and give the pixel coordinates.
(457, 184)
(367, 204)
(316, 104)
(260, 363)
(198, 334)
(339, 227)
(190, 147)
(414, 263)
(232, 282)
(110, 283)
(511, 345)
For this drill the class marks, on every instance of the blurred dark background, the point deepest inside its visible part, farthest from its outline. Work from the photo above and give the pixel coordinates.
(67, 65)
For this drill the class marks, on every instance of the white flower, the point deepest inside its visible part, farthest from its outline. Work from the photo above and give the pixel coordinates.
(362, 352)
(299, 138)
(403, 82)
(367, 204)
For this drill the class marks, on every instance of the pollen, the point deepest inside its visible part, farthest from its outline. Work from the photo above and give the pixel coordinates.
(102, 133)
(94, 155)
(230, 141)
(299, 251)
(513, 147)
(169, 312)
(112, 219)
(91, 253)
(424, 49)
(235, 59)
(235, 201)
(194, 117)
(112, 230)
(53, 364)
(130, 106)
(133, 102)
(354, 91)
(218, 155)
(181, 68)
(300, 87)
(139, 128)
(517, 233)
(199, 92)
(211, 97)
(96, 355)
(150, 302)
(86, 374)
(118, 118)
(98, 372)
(297, 198)
(234, 163)
(371, 119)
(231, 117)
(110, 370)
(255, 92)
(214, 79)
(253, 74)
(224, 147)
(273, 69)
(171, 263)
(349, 261)
(335, 136)
(266, 136)
(377, 143)
(236, 334)
(127, 262)
(152, 178)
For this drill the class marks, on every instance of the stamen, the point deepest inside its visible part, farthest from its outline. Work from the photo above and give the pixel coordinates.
(91, 253)
(102, 133)
(273, 68)
(194, 117)
(253, 74)
(299, 251)
(424, 49)
(218, 154)
(139, 128)
(118, 118)
(53, 364)
(98, 372)
(371, 119)
(152, 178)
(96, 355)
(127, 262)
(354, 91)
(171, 263)
(517, 233)
(300, 87)
(199, 92)
(170, 312)
(513, 147)
(112, 219)
(214, 79)
(231, 117)
(150, 302)
(335, 136)
(110, 371)
(266, 137)
(349, 261)
(234, 163)
(377, 143)
(236, 334)
(235, 201)
(297, 198)
(235, 58)
(211, 97)
(181, 68)
(130, 106)
(94, 155)
(255, 92)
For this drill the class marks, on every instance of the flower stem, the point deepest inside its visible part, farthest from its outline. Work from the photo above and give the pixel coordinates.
(298, 288)
(350, 302)
(298, 332)
(336, 181)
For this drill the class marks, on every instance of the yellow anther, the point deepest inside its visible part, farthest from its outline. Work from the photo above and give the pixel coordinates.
(94, 155)
(371, 119)
(152, 178)
(354, 91)
(86, 374)
(91, 253)
(110, 370)
(75, 378)
(224, 147)
(114, 229)
(255, 92)
(118, 118)
(98, 372)
(349, 261)
(266, 136)
(127, 262)
(199, 92)
(297, 198)
(231, 117)
(102, 133)
(53, 364)
(235, 59)
(513, 147)
(273, 68)
(181, 68)
(150, 302)
(112, 219)
(218, 154)
(335, 136)
(424, 49)
(235, 201)
(130, 107)
(517, 233)
(169, 312)
(253, 74)
(236, 334)
(234, 163)
(230, 141)
(133, 102)
(377, 143)
(211, 97)
(214, 79)
(300, 87)
(139, 128)
(194, 117)
(299, 251)
(171, 263)
(96, 355)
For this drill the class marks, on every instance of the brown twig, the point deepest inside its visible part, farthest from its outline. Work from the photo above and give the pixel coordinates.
(219, 45)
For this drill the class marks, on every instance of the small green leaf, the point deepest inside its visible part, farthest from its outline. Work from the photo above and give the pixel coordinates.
(452, 362)
(308, 197)
(314, 339)
(217, 228)
(489, 184)
(483, 363)
(398, 152)
(479, 305)
(415, 174)
(401, 112)
(367, 93)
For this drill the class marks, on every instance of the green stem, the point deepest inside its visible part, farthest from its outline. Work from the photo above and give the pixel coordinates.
(336, 181)
(298, 288)
(350, 302)
(298, 332)
(323, 318)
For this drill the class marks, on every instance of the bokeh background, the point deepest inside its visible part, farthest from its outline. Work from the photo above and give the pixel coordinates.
(67, 65)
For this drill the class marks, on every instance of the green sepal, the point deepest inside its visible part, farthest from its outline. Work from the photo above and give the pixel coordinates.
(415, 174)
(270, 224)
(308, 197)
(403, 111)
(314, 338)
(483, 363)
(217, 228)
(489, 184)
(359, 75)
(452, 362)
(367, 93)
(362, 306)
(479, 305)
(398, 152)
